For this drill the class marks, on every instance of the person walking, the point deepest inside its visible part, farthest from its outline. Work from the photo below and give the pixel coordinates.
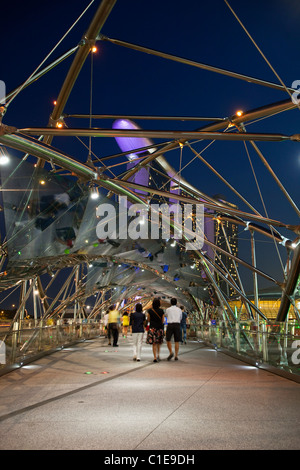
(174, 316)
(125, 321)
(183, 325)
(105, 323)
(138, 320)
(113, 324)
(155, 334)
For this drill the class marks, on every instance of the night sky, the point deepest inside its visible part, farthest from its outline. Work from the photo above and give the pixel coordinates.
(130, 82)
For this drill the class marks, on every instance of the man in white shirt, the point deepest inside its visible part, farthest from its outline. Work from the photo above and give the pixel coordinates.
(174, 315)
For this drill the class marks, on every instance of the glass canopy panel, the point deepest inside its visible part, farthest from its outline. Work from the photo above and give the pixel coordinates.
(42, 211)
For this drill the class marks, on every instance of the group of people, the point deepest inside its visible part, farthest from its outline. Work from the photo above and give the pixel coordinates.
(153, 321)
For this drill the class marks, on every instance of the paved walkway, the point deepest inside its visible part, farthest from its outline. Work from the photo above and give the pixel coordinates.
(94, 397)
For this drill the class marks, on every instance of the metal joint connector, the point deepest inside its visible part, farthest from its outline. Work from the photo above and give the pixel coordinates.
(7, 129)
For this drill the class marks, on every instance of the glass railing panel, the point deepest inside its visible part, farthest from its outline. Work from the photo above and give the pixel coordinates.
(275, 344)
(20, 344)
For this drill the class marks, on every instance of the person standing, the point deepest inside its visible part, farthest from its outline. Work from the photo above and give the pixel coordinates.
(138, 320)
(155, 334)
(174, 316)
(113, 324)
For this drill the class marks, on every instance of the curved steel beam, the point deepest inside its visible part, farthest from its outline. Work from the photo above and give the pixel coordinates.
(290, 286)
(86, 43)
(170, 134)
(257, 113)
(193, 63)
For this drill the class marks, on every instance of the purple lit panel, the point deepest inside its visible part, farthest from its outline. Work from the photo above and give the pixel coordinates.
(127, 144)
(175, 191)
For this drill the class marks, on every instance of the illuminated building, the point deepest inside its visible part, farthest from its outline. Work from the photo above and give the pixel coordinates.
(226, 237)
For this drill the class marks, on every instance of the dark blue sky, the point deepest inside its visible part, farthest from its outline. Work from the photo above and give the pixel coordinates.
(129, 82)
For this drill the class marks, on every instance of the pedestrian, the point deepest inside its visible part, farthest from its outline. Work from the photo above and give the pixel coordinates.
(155, 335)
(138, 320)
(113, 324)
(125, 321)
(174, 315)
(183, 325)
(105, 322)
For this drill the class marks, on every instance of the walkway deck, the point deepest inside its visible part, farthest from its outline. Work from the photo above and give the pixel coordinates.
(206, 400)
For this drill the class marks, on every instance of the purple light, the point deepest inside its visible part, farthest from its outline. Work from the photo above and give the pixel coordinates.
(127, 144)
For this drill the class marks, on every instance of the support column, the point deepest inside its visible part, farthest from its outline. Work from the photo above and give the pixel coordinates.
(290, 286)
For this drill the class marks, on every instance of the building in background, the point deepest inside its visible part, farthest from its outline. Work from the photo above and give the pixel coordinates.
(226, 237)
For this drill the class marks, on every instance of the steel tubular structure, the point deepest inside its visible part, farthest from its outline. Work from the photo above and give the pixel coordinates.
(28, 141)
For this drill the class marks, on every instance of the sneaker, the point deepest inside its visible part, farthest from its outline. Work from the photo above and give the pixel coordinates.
(155, 360)
(138, 360)
(170, 356)
(176, 358)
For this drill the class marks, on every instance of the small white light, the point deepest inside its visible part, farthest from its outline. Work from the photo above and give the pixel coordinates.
(4, 159)
(94, 194)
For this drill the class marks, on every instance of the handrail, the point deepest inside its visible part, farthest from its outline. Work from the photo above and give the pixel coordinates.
(269, 345)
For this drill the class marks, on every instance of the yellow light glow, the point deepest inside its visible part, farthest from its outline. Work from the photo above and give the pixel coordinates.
(239, 113)
(59, 125)
(94, 49)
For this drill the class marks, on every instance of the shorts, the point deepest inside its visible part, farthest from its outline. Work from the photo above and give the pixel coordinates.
(173, 329)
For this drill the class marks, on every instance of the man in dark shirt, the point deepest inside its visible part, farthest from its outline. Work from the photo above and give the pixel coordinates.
(138, 320)
(183, 325)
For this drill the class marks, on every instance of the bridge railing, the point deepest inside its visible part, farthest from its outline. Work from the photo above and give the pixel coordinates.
(25, 342)
(267, 345)
(264, 344)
